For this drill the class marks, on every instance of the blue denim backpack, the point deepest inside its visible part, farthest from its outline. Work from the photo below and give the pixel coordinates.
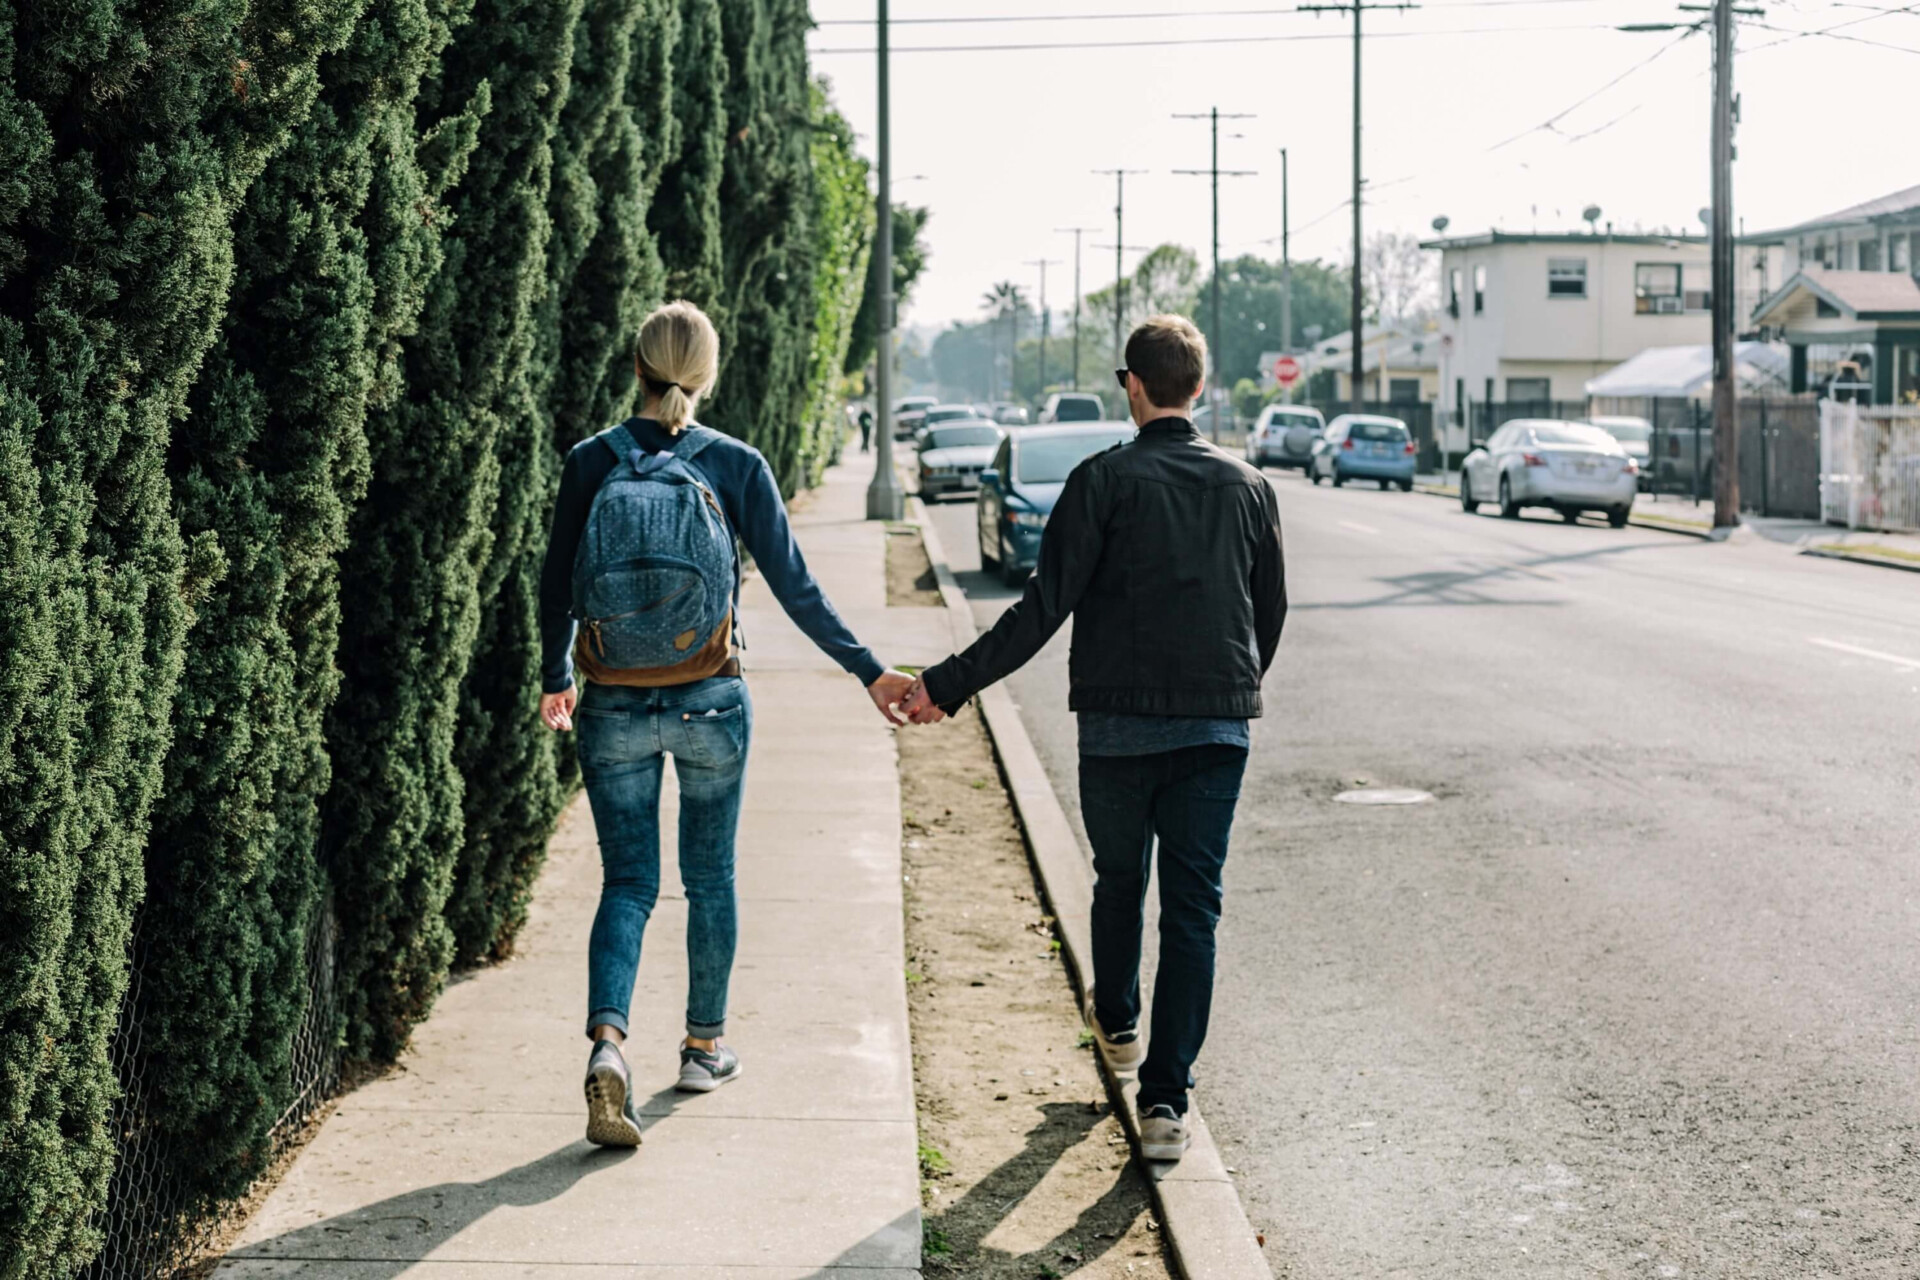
(654, 577)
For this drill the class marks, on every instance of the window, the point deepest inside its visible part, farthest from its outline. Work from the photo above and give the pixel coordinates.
(1897, 254)
(1529, 390)
(1403, 390)
(1868, 255)
(1479, 290)
(1656, 289)
(1377, 431)
(962, 437)
(1566, 277)
(1696, 287)
(1453, 293)
(1048, 459)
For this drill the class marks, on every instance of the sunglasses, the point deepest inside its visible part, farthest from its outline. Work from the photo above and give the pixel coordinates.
(1120, 376)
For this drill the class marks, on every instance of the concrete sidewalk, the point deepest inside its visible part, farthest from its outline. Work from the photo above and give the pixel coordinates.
(469, 1160)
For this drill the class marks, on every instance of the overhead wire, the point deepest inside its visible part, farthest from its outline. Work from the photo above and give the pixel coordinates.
(974, 18)
(1300, 37)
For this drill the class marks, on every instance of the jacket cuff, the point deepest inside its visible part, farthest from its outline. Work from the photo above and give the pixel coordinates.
(866, 668)
(561, 686)
(940, 688)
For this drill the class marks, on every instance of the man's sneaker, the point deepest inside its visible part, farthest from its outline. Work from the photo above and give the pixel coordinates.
(1163, 1135)
(611, 1119)
(703, 1072)
(1123, 1051)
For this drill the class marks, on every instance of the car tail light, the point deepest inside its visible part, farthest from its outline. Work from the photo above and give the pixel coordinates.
(1347, 443)
(1533, 460)
(1409, 448)
(1633, 468)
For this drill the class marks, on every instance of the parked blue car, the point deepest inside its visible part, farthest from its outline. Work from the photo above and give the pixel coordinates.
(1018, 490)
(1361, 446)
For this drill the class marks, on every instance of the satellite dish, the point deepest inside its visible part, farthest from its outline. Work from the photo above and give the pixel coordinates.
(1706, 217)
(1440, 224)
(1591, 216)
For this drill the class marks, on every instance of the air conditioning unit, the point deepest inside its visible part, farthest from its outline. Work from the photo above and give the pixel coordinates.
(1666, 306)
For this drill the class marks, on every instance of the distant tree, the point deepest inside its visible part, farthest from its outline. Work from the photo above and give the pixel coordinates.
(1166, 281)
(1401, 278)
(1250, 310)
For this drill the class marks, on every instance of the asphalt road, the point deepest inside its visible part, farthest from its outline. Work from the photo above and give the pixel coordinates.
(1635, 995)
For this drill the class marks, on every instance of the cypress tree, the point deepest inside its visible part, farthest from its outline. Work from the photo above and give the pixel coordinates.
(602, 271)
(766, 197)
(685, 215)
(269, 462)
(128, 133)
(421, 557)
(842, 221)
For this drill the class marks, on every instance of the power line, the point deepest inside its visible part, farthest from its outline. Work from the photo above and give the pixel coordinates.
(972, 18)
(1302, 38)
(1547, 125)
(1793, 35)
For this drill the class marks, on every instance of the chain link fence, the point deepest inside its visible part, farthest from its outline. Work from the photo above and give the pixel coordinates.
(153, 1227)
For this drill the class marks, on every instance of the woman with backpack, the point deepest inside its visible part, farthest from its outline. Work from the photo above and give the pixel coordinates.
(639, 592)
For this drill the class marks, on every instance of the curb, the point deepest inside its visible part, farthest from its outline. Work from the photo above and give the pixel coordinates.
(1200, 1211)
(1659, 526)
(1885, 562)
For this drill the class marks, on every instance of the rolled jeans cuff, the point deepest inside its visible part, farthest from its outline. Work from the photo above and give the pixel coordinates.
(607, 1018)
(706, 1030)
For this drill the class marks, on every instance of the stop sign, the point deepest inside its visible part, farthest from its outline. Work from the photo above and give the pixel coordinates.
(1286, 371)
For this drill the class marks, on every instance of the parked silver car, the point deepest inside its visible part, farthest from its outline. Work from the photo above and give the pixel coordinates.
(1636, 437)
(1537, 462)
(1283, 435)
(953, 454)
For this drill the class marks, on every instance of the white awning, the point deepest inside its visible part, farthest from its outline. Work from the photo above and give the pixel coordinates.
(1688, 371)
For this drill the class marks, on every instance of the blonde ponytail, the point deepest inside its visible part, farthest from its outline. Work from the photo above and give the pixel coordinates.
(679, 357)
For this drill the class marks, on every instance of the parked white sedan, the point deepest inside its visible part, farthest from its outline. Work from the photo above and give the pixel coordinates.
(1536, 462)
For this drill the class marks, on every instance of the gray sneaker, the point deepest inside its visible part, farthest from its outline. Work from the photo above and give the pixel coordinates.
(1163, 1135)
(703, 1072)
(1123, 1052)
(611, 1119)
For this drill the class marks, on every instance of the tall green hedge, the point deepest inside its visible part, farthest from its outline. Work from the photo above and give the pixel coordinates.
(299, 301)
(331, 256)
(130, 134)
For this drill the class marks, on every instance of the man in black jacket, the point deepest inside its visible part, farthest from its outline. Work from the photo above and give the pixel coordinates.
(1166, 551)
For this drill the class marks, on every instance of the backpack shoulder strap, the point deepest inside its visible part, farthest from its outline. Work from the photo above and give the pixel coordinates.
(694, 441)
(621, 441)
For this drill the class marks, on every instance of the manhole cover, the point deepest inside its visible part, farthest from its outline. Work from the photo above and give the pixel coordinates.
(1384, 795)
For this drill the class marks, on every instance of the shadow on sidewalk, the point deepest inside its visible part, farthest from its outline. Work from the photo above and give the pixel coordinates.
(384, 1240)
(957, 1233)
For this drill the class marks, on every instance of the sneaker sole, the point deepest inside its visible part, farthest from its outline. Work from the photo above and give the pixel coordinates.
(1120, 1058)
(704, 1083)
(1164, 1150)
(607, 1123)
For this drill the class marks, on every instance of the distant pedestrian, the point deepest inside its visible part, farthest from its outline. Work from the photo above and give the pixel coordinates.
(1166, 552)
(866, 429)
(640, 591)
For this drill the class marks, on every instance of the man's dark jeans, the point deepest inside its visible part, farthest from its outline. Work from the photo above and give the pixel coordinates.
(1185, 798)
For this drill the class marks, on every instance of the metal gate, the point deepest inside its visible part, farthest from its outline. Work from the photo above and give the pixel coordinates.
(1870, 466)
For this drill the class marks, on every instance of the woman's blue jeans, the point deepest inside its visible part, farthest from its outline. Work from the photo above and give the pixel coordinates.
(625, 735)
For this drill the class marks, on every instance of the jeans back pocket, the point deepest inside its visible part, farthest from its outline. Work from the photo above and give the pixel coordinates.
(606, 737)
(711, 738)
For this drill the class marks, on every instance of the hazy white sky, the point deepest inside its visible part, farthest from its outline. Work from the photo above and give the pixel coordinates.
(1008, 140)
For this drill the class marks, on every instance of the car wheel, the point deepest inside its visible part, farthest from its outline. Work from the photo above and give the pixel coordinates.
(1468, 503)
(1618, 517)
(1509, 509)
(1012, 576)
(988, 561)
(1570, 514)
(1313, 473)
(1338, 479)
(1406, 486)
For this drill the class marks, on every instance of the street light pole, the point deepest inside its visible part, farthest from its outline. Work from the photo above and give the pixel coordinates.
(884, 498)
(1046, 321)
(1119, 264)
(1286, 269)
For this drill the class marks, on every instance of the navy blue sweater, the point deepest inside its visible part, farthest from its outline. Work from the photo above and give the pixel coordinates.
(744, 483)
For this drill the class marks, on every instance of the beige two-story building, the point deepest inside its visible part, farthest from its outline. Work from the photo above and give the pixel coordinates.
(1529, 318)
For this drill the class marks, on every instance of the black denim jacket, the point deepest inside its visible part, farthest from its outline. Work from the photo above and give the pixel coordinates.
(1167, 553)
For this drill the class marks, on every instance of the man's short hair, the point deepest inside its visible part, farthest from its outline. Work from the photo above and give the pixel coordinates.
(1169, 356)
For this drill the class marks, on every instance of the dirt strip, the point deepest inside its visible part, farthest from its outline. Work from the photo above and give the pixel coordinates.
(1025, 1171)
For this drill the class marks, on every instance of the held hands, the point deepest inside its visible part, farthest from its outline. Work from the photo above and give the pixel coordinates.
(556, 710)
(889, 692)
(920, 707)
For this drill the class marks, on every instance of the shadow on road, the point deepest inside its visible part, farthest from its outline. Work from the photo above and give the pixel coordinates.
(1459, 587)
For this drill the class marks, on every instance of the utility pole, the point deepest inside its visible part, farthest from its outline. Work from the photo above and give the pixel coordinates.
(1119, 267)
(1286, 268)
(1214, 171)
(1076, 297)
(1719, 16)
(884, 498)
(1358, 306)
(1046, 321)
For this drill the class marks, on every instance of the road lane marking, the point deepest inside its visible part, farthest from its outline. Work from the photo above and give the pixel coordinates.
(1357, 527)
(1905, 664)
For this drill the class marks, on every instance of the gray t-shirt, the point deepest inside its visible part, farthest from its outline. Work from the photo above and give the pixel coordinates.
(1106, 733)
